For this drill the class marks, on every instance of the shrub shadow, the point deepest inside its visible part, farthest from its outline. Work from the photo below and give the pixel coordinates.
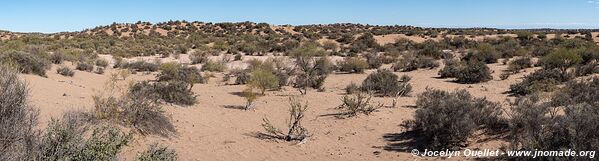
(404, 142)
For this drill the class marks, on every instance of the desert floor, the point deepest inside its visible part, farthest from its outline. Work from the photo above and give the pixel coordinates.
(211, 131)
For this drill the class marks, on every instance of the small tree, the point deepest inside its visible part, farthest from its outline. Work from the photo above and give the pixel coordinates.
(312, 67)
(561, 59)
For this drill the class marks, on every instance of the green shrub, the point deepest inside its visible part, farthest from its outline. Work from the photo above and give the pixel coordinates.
(65, 140)
(311, 69)
(485, 53)
(561, 59)
(411, 63)
(214, 66)
(175, 71)
(263, 80)
(539, 81)
(473, 72)
(519, 64)
(85, 66)
(353, 65)
(448, 119)
(157, 153)
(25, 62)
(18, 119)
(65, 71)
(385, 83)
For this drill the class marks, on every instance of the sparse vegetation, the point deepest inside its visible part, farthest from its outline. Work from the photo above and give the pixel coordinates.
(263, 80)
(214, 66)
(352, 65)
(25, 62)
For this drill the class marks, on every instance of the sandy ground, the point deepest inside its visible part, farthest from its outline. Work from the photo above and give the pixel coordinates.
(210, 131)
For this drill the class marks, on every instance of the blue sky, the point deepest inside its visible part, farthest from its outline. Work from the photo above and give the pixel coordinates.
(73, 15)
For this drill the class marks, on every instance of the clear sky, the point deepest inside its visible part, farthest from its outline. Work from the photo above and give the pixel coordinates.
(74, 15)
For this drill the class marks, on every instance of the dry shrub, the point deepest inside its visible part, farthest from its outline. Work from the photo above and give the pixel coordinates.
(539, 81)
(295, 129)
(18, 119)
(214, 66)
(65, 71)
(85, 66)
(358, 103)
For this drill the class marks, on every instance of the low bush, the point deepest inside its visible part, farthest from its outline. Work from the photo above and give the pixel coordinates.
(138, 108)
(411, 63)
(25, 62)
(66, 140)
(99, 70)
(448, 119)
(352, 65)
(18, 119)
(473, 72)
(57, 58)
(65, 71)
(214, 66)
(156, 152)
(141, 66)
(176, 72)
(102, 63)
(198, 57)
(561, 59)
(85, 66)
(451, 68)
(386, 83)
(485, 53)
(263, 80)
(539, 81)
(374, 61)
(358, 103)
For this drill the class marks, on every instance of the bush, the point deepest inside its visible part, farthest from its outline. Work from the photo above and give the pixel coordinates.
(57, 58)
(539, 81)
(473, 72)
(65, 140)
(85, 66)
(352, 88)
(214, 66)
(451, 68)
(263, 80)
(18, 119)
(138, 108)
(519, 63)
(99, 70)
(157, 153)
(65, 71)
(353, 65)
(177, 72)
(358, 103)
(177, 92)
(102, 63)
(485, 53)
(411, 63)
(142, 66)
(374, 61)
(25, 62)
(198, 57)
(385, 83)
(448, 119)
(561, 59)
(296, 130)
